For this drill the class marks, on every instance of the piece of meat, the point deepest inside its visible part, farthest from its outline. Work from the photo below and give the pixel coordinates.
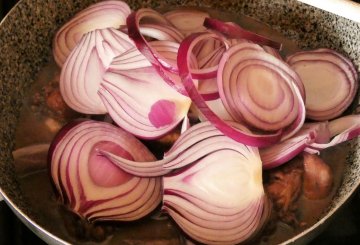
(284, 188)
(318, 177)
(56, 103)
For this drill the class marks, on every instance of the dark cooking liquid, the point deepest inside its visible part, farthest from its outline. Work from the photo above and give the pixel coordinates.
(38, 126)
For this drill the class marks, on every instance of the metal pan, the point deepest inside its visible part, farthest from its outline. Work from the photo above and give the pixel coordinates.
(25, 46)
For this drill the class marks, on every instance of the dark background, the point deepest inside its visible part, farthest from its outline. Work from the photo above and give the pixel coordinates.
(344, 229)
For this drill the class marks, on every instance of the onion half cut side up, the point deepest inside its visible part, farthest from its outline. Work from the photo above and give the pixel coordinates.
(106, 73)
(82, 72)
(137, 97)
(104, 14)
(212, 185)
(93, 187)
(218, 197)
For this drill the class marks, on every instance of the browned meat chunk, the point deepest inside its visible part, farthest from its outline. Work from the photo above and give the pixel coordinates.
(56, 103)
(318, 177)
(284, 188)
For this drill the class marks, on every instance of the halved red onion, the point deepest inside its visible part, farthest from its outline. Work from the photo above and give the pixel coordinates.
(208, 164)
(259, 89)
(93, 187)
(312, 138)
(187, 21)
(82, 72)
(138, 99)
(330, 82)
(232, 30)
(224, 169)
(101, 15)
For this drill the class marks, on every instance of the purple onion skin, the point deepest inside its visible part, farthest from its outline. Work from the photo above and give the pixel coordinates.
(58, 137)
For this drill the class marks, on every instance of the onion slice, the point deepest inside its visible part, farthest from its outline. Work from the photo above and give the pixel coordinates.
(284, 151)
(161, 65)
(330, 82)
(232, 30)
(341, 130)
(259, 89)
(312, 138)
(101, 15)
(184, 54)
(187, 21)
(89, 184)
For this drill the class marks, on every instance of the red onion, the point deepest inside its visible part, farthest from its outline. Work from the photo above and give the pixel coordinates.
(240, 207)
(208, 53)
(160, 64)
(330, 82)
(138, 99)
(220, 168)
(89, 184)
(340, 130)
(97, 16)
(232, 30)
(212, 175)
(82, 72)
(106, 73)
(312, 138)
(284, 151)
(259, 89)
(187, 21)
